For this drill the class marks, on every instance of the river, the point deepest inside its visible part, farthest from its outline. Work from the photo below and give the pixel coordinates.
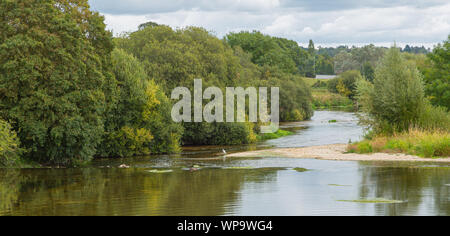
(165, 185)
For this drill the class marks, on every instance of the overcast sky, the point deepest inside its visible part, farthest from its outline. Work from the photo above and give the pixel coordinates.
(327, 22)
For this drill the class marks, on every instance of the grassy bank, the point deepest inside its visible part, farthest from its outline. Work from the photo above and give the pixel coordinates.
(429, 144)
(323, 99)
(280, 133)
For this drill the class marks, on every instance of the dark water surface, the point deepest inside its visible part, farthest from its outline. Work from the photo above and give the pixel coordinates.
(252, 186)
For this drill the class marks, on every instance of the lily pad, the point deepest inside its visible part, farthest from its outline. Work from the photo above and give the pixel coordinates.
(376, 200)
(300, 169)
(339, 185)
(160, 171)
(239, 168)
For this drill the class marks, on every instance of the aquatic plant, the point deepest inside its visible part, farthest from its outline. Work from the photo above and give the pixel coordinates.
(376, 200)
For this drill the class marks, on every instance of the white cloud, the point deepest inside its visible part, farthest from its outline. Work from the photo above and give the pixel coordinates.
(403, 24)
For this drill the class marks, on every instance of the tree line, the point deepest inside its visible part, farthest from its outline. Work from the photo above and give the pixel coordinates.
(70, 91)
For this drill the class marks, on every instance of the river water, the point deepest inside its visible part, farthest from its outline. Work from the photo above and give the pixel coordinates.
(165, 185)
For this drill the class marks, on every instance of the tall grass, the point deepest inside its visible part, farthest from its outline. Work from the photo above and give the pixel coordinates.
(429, 144)
(323, 99)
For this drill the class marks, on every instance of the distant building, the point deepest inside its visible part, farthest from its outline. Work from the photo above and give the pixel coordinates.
(326, 76)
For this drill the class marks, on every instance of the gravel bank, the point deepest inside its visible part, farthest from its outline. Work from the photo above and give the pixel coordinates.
(333, 152)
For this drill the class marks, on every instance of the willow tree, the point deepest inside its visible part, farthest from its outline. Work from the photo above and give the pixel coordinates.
(54, 77)
(395, 100)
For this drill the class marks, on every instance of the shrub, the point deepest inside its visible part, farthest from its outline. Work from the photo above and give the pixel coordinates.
(10, 150)
(415, 142)
(395, 101)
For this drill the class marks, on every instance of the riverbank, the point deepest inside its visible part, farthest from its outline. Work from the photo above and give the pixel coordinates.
(337, 152)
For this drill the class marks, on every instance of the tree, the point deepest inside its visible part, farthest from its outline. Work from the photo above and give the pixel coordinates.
(147, 24)
(437, 75)
(54, 77)
(395, 99)
(311, 48)
(10, 149)
(139, 123)
(407, 48)
(345, 84)
(368, 72)
(267, 50)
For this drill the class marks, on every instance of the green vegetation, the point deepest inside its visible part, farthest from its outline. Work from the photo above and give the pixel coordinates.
(414, 142)
(437, 75)
(139, 121)
(345, 84)
(401, 118)
(396, 102)
(280, 133)
(10, 150)
(376, 200)
(270, 51)
(198, 54)
(323, 99)
(160, 171)
(71, 92)
(54, 80)
(300, 169)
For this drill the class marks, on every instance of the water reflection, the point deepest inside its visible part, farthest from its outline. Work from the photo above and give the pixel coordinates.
(123, 192)
(422, 188)
(269, 187)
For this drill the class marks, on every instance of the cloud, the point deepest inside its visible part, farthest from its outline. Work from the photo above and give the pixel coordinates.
(137, 7)
(420, 22)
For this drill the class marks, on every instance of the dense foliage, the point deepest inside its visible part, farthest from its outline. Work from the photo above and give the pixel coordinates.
(139, 121)
(174, 58)
(396, 102)
(71, 92)
(10, 150)
(345, 83)
(270, 51)
(54, 77)
(437, 75)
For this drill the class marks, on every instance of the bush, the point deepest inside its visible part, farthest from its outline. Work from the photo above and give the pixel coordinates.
(433, 118)
(415, 142)
(332, 85)
(219, 133)
(10, 150)
(395, 101)
(323, 99)
(345, 84)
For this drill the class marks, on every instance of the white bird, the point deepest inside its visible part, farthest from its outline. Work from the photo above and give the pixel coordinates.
(224, 152)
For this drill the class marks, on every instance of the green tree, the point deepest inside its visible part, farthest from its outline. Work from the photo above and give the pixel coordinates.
(368, 72)
(138, 124)
(54, 77)
(437, 75)
(395, 99)
(269, 51)
(10, 150)
(345, 83)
